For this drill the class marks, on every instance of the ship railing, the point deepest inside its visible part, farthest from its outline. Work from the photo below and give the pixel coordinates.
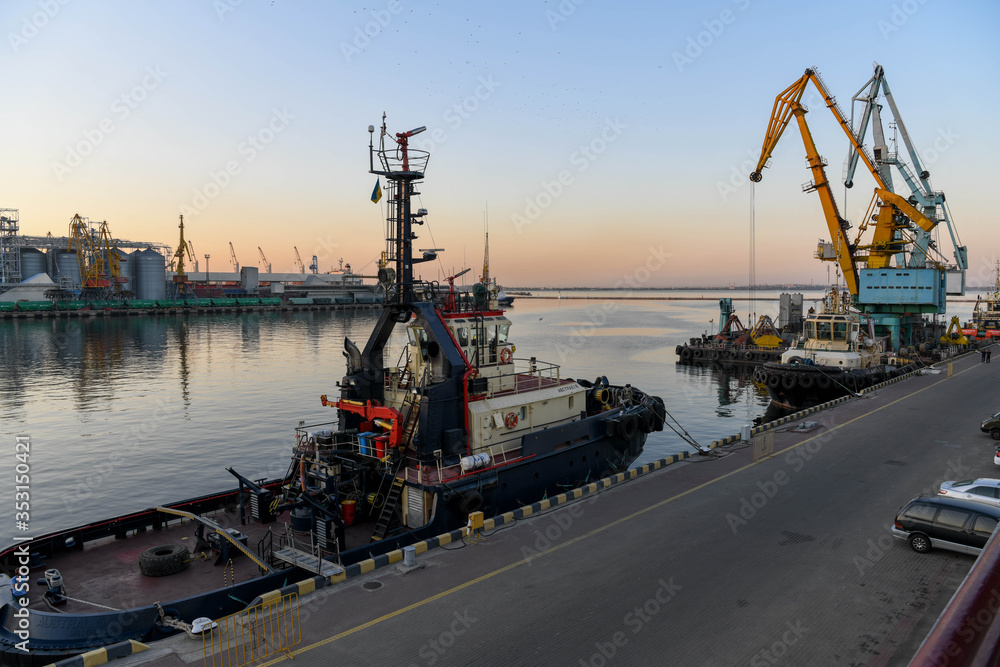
(523, 375)
(315, 438)
(454, 471)
(392, 159)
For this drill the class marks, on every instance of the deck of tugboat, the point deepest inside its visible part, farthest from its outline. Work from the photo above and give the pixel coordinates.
(525, 382)
(714, 560)
(106, 573)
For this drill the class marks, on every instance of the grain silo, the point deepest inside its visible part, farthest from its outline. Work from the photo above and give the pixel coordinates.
(32, 263)
(64, 268)
(150, 272)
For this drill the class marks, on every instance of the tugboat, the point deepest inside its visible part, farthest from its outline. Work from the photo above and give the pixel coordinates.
(834, 357)
(457, 425)
(985, 324)
(734, 344)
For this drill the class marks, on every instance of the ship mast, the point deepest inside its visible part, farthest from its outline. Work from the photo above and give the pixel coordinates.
(403, 167)
(486, 257)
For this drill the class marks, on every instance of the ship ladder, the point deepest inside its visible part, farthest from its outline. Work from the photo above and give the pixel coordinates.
(411, 411)
(390, 504)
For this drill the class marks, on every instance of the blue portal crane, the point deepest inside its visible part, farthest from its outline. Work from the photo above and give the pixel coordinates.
(928, 201)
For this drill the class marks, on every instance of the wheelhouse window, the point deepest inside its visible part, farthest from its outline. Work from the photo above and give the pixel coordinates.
(823, 330)
(840, 331)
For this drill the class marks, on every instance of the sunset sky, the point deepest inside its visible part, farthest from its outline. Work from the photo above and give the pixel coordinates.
(607, 141)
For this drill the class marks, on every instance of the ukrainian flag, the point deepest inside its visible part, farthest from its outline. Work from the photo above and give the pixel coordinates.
(377, 192)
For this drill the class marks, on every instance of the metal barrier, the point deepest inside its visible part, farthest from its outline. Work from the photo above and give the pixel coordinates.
(255, 633)
(763, 445)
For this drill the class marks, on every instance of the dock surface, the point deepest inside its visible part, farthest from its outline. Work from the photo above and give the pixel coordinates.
(711, 561)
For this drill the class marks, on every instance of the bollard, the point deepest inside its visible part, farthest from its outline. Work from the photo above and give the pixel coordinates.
(409, 556)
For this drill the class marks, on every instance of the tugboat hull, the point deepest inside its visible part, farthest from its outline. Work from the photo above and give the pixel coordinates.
(799, 385)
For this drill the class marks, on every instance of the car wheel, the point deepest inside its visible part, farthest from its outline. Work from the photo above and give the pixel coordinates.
(920, 543)
(995, 433)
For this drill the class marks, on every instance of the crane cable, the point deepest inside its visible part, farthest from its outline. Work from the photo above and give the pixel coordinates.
(753, 276)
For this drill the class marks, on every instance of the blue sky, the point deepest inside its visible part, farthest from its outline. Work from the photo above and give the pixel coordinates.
(601, 137)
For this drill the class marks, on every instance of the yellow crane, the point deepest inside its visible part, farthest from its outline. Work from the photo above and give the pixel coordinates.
(298, 260)
(96, 254)
(232, 256)
(177, 263)
(890, 210)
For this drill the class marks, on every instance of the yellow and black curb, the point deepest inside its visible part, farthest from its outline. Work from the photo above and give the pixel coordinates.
(103, 655)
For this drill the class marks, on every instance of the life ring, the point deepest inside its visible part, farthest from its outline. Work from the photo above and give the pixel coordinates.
(506, 355)
(686, 352)
(806, 380)
(823, 382)
(510, 420)
(627, 427)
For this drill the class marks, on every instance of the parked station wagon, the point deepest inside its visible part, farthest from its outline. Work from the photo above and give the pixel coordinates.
(940, 522)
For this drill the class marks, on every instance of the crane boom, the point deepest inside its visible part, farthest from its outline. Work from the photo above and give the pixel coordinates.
(232, 256)
(885, 239)
(930, 203)
(267, 264)
(787, 104)
(298, 260)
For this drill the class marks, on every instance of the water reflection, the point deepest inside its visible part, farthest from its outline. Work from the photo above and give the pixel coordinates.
(733, 384)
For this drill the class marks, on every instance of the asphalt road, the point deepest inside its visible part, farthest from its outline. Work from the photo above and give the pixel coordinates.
(788, 561)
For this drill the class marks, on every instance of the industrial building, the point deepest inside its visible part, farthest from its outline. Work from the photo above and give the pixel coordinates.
(89, 267)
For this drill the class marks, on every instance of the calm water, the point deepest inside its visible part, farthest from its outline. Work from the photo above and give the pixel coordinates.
(125, 413)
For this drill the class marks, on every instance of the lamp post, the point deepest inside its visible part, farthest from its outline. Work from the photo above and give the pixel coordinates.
(206, 269)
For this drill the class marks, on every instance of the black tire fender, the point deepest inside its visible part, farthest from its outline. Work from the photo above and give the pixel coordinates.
(806, 381)
(648, 420)
(627, 427)
(163, 560)
(472, 501)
